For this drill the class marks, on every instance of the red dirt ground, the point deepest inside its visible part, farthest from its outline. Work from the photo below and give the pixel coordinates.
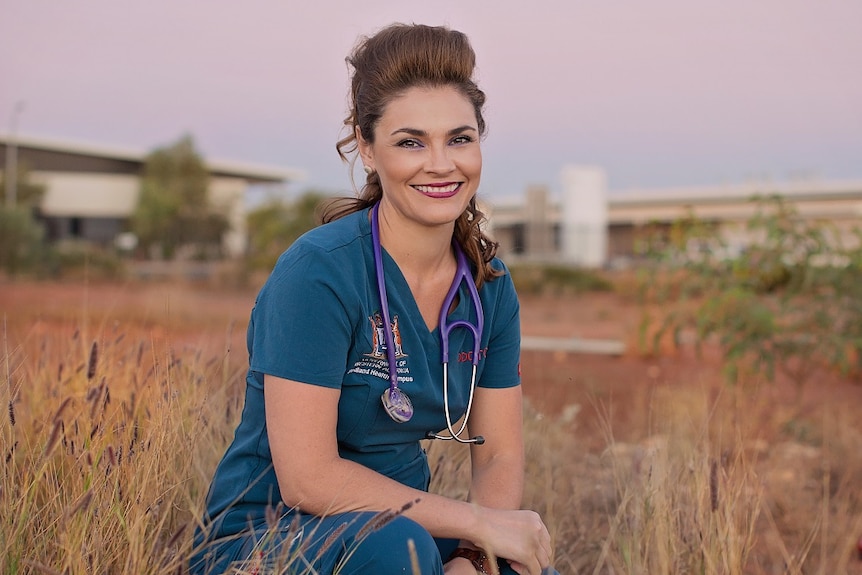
(552, 380)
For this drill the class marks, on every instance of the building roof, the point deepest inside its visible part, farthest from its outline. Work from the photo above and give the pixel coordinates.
(723, 194)
(255, 173)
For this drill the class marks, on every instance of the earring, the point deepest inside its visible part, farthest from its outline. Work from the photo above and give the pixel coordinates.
(369, 170)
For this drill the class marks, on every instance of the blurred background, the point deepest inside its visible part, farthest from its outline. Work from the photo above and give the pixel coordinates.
(591, 105)
(676, 187)
(660, 94)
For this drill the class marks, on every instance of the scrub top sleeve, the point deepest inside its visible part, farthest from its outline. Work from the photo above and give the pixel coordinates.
(502, 362)
(300, 327)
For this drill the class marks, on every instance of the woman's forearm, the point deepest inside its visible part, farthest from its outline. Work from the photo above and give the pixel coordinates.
(497, 467)
(344, 486)
(498, 483)
(348, 486)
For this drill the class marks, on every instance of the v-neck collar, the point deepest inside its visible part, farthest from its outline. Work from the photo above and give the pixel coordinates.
(396, 277)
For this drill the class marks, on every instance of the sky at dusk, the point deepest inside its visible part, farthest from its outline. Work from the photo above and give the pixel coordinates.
(659, 93)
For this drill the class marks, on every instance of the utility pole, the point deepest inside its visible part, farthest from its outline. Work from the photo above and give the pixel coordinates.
(12, 157)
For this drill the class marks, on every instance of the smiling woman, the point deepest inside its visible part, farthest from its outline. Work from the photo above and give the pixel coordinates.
(427, 155)
(349, 345)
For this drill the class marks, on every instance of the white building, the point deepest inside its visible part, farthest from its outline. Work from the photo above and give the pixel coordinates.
(91, 191)
(591, 227)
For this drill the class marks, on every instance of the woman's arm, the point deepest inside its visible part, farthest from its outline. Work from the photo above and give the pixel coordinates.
(301, 422)
(498, 464)
(498, 468)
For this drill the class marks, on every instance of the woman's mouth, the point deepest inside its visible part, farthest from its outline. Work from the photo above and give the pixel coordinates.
(446, 190)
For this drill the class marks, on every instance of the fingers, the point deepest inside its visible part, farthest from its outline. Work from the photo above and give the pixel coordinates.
(543, 553)
(526, 544)
(543, 546)
(536, 567)
(538, 547)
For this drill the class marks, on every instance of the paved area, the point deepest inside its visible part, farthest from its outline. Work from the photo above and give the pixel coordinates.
(574, 345)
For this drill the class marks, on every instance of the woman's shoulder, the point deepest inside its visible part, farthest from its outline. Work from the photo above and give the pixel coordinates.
(499, 265)
(344, 235)
(325, 249)
(336, 235)
(501, 285)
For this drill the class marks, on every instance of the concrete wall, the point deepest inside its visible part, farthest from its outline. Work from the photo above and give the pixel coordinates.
(584, 216)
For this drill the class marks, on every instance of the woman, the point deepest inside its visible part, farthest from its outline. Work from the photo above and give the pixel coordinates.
(326, 470)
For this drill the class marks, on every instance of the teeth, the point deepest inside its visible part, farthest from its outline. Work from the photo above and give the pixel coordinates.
(437, 189)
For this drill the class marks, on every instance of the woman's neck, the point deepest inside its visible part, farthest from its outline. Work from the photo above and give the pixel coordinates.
(424, 256)
(418, 250)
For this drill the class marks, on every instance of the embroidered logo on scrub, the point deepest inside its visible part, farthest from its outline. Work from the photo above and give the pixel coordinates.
(378, 340)
(374, 362)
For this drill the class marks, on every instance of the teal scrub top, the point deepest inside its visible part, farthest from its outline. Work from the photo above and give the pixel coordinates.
(317, 320)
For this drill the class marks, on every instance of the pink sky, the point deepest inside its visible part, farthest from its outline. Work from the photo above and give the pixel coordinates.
(659, 93)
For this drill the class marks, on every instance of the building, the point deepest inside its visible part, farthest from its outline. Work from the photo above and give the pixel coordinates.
(91, 191)
(568, 230)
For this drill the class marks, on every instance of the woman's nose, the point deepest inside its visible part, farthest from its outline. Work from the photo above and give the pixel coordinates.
(439, 160)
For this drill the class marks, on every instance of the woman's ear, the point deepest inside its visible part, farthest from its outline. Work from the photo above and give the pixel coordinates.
(366, 153)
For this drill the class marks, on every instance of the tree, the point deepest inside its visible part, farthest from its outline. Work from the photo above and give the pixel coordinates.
(173, 208)
(28, 194)
(21, 236)
(276, 224)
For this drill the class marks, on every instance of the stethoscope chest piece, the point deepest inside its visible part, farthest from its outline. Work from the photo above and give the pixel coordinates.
(397, 404)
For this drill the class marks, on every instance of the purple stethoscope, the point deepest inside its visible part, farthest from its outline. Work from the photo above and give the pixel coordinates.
(395, 401)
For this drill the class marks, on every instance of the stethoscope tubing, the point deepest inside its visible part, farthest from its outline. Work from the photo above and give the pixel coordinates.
(397, 403)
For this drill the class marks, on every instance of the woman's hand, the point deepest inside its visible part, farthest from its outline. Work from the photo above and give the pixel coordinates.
(518, 536)
(459, 566)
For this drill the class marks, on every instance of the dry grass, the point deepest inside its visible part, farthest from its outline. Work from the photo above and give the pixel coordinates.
(119, 403)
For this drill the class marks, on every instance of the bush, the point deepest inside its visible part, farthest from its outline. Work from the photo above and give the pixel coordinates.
(276, 224)
(78, 258)
(789, 302)
(21, 245)
(534, 279)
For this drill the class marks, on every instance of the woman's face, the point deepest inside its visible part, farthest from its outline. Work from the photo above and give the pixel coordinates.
(427, 154)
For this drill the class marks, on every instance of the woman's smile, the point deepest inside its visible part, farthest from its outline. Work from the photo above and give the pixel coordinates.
(442, 190)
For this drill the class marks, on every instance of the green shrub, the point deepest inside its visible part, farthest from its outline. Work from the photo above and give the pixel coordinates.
(274, 225)
(79, 258)
(536, 279)
(21, 245)
(788, 302)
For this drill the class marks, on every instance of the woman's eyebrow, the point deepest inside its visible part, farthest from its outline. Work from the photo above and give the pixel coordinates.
(422, 133)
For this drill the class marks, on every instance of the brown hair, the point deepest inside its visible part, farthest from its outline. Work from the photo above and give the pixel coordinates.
(385, 65)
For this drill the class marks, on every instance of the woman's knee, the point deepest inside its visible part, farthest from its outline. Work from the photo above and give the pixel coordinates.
(395, 547)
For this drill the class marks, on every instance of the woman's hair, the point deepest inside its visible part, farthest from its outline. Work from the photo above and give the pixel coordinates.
(386, 65)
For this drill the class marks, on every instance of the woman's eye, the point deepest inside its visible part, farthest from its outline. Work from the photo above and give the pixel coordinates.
(462, 140)
(408, 144)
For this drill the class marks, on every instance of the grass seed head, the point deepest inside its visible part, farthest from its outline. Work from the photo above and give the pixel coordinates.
(53, 438)
(332, 538)
(82, 504)
(62, 408)
(94, 359)
(713, 485)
